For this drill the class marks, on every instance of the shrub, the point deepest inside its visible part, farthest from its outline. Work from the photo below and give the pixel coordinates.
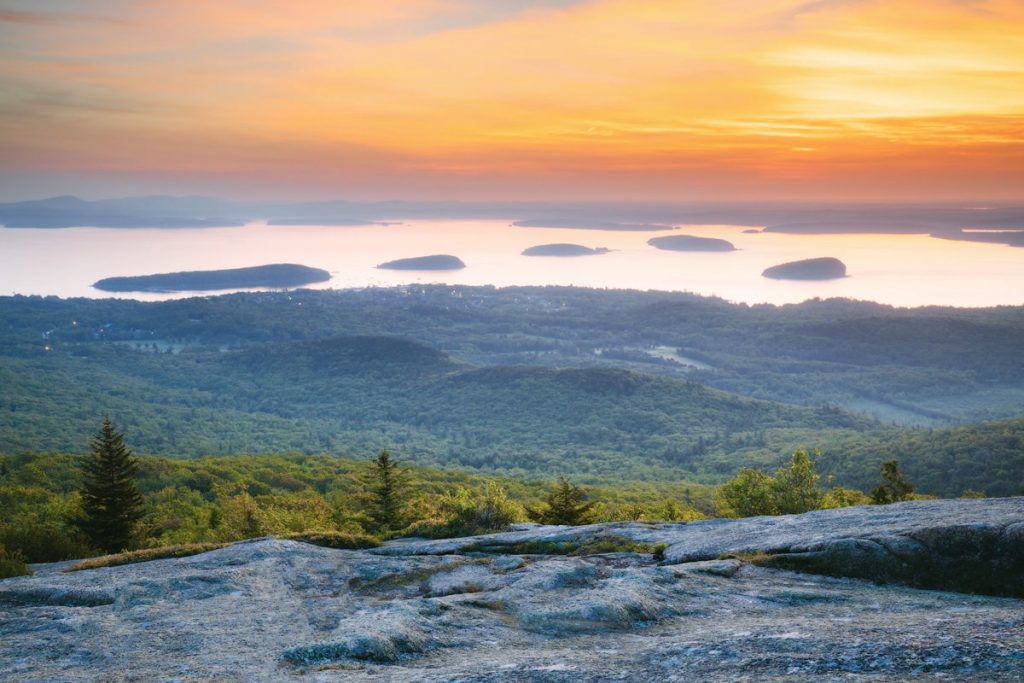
(793, 490)
(12, 563)
(658, 553)
(335, 539)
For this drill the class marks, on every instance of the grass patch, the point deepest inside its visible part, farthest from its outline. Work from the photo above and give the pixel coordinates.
(145, 555)
(758, 559)
(334, 539)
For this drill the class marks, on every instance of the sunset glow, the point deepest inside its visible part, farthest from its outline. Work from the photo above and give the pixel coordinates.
(548, 99)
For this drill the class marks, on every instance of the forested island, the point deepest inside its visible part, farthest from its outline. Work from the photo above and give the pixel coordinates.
(563, 250)
(826, 268)
(590, 224)
(434, 262)
(690, 243)
(275, 275)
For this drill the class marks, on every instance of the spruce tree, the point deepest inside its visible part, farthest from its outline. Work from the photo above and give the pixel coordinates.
(111, 502)
(564, 505)
(894, 487)
(387, 485)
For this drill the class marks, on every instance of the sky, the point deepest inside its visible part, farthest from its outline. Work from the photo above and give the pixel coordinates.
(634, 100)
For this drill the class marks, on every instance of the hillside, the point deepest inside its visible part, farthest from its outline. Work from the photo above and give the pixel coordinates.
(351, 395)
(528, 381)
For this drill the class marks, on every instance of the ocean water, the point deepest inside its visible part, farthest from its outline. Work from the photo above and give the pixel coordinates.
(902, 270)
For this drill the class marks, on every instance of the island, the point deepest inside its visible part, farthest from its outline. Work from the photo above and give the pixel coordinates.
(752, 231)
(826, 268)
(329, 222)
(586, 224)
(275, 275)
(690, 243)
(563, 250)
(434, 262)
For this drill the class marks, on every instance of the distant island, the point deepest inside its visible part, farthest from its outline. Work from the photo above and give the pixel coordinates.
(826, 268)
(752, 231)
(574, 224)
(690, 243)
(563, 250)
(276, 275)
(435, 262)
(333, 222)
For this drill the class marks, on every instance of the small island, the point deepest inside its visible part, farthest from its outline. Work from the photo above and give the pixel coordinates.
(435, 262)
(329, 222)
(690, 243)
(275, 275)
(564, 250)
(752, 231)
(586, 224)
(826, 268)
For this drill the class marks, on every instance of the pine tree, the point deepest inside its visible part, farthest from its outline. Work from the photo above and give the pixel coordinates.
(565, 505)
(111, 502)
(387, 485)
(894, 487)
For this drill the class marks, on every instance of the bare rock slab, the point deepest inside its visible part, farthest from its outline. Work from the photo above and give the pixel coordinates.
(471, 610)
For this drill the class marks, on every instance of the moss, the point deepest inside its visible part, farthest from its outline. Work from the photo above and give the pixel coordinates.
(145, 555)
(334, 539)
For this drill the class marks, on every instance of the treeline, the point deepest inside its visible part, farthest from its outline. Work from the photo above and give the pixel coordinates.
(235, 497)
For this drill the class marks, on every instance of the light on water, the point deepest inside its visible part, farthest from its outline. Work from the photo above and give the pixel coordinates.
(903, 270)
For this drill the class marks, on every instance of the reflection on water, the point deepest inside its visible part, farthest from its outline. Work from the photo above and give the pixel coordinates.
(904, 270)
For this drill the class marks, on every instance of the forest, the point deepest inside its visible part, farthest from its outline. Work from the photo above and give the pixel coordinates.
(603, 386)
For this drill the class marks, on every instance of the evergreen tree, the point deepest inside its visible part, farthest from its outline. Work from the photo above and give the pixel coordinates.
(894, 487)
(565, 505)
(387, 486)
(111, 502)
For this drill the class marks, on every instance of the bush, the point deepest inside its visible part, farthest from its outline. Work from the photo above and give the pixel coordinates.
(470, 513)
(12, 563)
(793, 490)
(44, 541)
(658, 553)
(335, 539)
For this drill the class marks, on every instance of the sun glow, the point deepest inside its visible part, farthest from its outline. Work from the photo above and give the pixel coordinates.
(643, 98)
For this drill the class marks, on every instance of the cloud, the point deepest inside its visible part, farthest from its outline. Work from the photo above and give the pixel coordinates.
(33, 18)
(443, 89)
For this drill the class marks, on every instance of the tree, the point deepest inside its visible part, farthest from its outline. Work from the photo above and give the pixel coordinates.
(387, 486)
(111, 502)
(796, 485)
(793, 490)
(564, 505)
(749, 494)
(894, 487)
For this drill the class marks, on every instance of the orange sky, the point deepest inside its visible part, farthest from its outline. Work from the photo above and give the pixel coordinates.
(514, 99)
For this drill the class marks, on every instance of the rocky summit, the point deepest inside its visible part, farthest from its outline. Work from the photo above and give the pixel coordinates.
(847, 594)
